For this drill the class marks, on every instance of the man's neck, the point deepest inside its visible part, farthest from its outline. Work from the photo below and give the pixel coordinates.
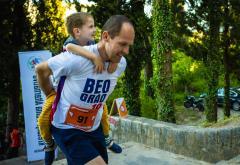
(102, 51)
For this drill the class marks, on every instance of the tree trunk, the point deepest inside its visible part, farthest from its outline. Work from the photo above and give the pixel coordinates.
(132, 82)
(148, 71)
(162, 51)
(14, 77)
(213, 61)
(226, 60)
(13, 109)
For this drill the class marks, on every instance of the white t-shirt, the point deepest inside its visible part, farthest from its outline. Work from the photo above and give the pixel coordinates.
(82, 87)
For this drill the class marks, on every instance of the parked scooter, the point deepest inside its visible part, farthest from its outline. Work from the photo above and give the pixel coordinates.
(192, 102)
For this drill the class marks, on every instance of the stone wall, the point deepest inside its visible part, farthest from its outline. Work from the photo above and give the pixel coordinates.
(208, 144)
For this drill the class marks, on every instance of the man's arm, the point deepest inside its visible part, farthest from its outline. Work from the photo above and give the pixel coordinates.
(43, 72)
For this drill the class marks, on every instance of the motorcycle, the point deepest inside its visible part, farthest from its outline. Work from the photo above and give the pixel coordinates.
(192, 102)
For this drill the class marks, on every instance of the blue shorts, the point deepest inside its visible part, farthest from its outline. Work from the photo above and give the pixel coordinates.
(80, 147)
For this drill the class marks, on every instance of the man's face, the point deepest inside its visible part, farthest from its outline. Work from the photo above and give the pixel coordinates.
(119, 45)
(87, 31)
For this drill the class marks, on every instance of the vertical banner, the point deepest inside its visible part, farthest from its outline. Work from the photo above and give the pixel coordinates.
(33, 99)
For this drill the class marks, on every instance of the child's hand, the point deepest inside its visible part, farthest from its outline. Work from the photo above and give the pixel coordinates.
(99, 64)
(112, 67)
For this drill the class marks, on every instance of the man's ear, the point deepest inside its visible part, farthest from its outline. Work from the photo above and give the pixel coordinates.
(105, 36)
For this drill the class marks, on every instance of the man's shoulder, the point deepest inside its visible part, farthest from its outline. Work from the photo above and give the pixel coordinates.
(123, 62)
(121, 65)
(74, 57)
(67, 56)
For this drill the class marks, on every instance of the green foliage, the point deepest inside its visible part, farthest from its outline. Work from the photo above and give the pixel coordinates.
(105, 8)
(199, 86)
(117, 93)
(183, 75)
(179, 98)
(15, 36)
(48, 30)
(188, 76)
(234, 81)
(232, 20)
(131, 92)
(148, 106)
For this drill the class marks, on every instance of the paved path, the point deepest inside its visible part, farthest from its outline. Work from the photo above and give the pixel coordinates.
(135, 154)
(138, 154)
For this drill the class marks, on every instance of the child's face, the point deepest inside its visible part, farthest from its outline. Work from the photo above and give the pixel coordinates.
(87, 31)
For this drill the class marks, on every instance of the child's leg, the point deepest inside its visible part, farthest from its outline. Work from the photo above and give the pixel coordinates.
(44, 122)
(105, 126)
(105, 121)
(44, 125)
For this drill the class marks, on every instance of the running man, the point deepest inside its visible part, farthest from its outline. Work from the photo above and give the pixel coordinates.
(76, 121)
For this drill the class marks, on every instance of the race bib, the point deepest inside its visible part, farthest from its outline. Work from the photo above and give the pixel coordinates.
(81, 118)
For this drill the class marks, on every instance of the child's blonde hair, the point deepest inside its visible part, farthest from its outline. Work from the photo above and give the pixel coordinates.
(76, 20)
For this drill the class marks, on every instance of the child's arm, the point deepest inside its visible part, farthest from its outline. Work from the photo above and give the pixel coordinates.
(79, 50)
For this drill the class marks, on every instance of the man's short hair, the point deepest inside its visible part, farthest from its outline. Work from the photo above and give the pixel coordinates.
(114, 24)
(76, 20)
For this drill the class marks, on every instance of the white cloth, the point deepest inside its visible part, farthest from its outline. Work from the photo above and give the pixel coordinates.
(82, 87)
